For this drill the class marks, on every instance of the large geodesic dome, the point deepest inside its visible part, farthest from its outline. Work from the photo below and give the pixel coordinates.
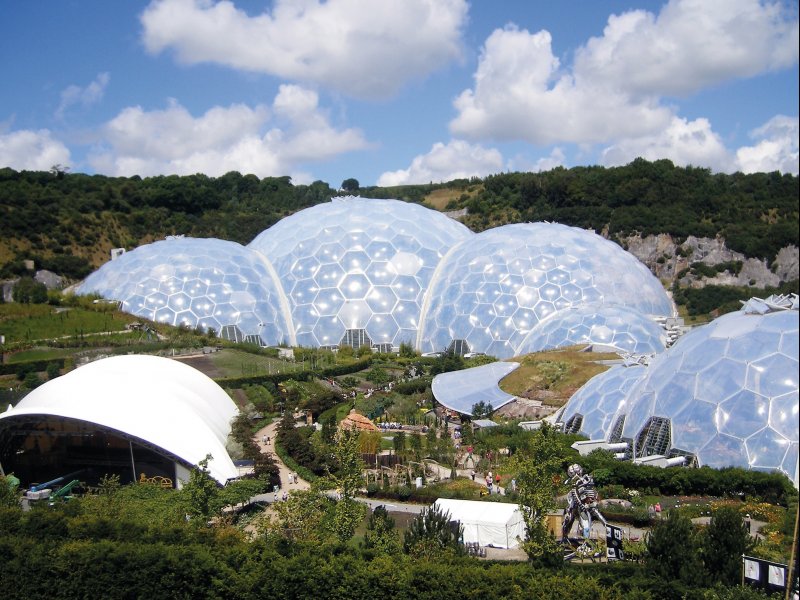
(493, 289)
(357, 269)
(597, 409)
(198, 283)
(620, 329)
(726, 393)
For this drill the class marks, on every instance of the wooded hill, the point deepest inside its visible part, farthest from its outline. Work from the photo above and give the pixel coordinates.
(69, 222)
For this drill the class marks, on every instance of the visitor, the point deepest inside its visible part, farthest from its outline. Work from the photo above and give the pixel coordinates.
(285, 496)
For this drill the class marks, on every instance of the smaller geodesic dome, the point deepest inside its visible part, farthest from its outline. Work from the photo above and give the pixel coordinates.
(623, 329)
(726, 393)
(490, 291)
(156, 403)
(198, 283)
(355, 270)
(597, 410)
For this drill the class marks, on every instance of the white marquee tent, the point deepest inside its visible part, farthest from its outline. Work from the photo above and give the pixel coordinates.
(496, 524)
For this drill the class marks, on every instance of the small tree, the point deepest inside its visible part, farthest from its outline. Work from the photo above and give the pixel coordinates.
(201, 491)
(29, 291)
(723, 543)
(431, 535)
(381, 534)
(350, 185)
(672, 550)
(304, 516)
(9, 492)
(399, 444)
(52, 370)
(481, 409)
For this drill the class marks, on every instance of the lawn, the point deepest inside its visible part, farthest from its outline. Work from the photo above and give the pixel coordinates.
(31, 322)
(559, 373)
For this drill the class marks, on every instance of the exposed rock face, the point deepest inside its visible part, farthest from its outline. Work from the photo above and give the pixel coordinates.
(666, 260)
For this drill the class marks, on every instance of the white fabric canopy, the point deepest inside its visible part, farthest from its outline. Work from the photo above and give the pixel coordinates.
(461, 390)
(496, 524)
(166, 403)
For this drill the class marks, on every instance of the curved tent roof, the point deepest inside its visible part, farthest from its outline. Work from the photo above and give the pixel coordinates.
(161, 401)
(461, 390)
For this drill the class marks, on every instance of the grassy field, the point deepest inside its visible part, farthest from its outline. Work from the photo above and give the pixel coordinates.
(439, 199)
(31, 322)
(555, 375)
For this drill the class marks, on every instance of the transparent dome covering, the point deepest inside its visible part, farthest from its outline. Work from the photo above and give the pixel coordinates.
(623, 329)
(492, 290)
(726, 392)
(358, 265)
(594, 410)
(205, 283)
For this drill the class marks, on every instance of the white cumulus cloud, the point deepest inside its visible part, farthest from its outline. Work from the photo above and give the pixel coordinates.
(683, 142)
(85, 96)
(521, 94)
(32, 150)
(262, 140)
(776, 147)
(615, 92)
(362, 49)
(690, 45)
(455, 160)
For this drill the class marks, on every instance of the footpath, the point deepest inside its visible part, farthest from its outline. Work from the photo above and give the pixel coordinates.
(288, 484)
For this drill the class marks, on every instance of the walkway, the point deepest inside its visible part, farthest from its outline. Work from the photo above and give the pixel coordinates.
(269, 448)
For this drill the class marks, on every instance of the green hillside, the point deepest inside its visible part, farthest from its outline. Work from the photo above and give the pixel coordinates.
(69, 222)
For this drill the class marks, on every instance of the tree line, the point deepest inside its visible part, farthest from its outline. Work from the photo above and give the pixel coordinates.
(71, 220)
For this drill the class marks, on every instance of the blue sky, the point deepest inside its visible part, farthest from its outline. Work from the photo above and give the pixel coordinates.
(396, 91)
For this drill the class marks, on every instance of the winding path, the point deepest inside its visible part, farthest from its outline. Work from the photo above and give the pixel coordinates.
(269, 448)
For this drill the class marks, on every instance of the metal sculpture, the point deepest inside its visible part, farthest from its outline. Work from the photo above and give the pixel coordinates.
(581, 505)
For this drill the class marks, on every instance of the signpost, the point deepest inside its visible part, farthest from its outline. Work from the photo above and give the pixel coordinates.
(614, 549)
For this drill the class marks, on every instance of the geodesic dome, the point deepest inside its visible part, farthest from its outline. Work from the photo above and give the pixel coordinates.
(356, 269)
(493, 289)
(727, 393)
(598, 408)
(205, 283)
(623, 329)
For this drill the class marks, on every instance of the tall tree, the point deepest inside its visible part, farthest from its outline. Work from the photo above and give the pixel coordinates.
(723, 543)
(672, 550)
(348, 512)
(538, 468)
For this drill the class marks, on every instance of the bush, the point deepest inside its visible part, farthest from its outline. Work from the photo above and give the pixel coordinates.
(403, 492)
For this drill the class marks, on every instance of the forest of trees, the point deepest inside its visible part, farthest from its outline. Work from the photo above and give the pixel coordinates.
(68, 223)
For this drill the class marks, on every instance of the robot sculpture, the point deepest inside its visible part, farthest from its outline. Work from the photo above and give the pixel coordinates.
(581, 505)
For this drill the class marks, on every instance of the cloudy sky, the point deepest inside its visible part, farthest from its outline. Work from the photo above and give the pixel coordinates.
(396, 91)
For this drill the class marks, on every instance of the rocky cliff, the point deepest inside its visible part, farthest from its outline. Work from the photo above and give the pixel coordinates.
(669, 261)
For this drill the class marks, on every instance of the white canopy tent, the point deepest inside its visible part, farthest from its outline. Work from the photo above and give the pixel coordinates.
(496, 524)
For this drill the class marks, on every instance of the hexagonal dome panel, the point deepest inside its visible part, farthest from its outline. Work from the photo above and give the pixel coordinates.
(602, 400)
(554, 267)
(206, 283)
(387, 243)
(626, 330)
(729, 400)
